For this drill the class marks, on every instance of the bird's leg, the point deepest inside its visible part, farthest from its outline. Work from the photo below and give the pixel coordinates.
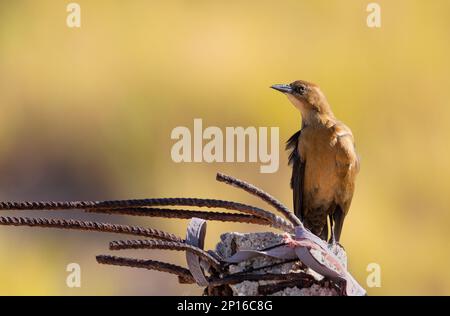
(332, 240)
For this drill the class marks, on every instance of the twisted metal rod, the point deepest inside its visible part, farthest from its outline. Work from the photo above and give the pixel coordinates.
(234, 279)
(89, 226)
(185, 275)
(268, 266)
(303, 282)
(250, 188)
(273, 219)
(181, 272)
(184, 214)
(159, 244)
(131, 203)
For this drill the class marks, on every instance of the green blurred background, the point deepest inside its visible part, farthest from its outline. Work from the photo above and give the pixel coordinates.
(87, 114)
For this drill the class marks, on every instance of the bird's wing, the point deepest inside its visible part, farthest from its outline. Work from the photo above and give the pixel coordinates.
(347, 161)
(298, 171)
(347, 167)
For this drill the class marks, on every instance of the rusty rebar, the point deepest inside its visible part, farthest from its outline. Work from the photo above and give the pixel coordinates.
(304, 281)
(273, 219)
(131, 203)
(181, 272)
(184, 214)
(89, 226)
(250, 188)
(186, 277)
(234, 279)
(159, 244)
(268, 266)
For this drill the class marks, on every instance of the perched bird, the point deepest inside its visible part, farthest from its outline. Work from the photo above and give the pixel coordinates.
(324, 162)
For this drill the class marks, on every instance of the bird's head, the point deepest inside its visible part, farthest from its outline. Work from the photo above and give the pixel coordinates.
(306, 96)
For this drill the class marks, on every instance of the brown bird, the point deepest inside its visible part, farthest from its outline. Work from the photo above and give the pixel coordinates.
(324, 162)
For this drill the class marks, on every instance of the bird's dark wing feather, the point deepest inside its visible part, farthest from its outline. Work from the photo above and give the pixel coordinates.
(298, 170)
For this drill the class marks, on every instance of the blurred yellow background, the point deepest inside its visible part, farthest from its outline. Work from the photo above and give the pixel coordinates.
(87, 114)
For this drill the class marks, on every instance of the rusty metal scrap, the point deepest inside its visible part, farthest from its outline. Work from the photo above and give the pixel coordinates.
(212, 267)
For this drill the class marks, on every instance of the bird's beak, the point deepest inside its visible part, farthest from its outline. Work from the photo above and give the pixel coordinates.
(284, 88)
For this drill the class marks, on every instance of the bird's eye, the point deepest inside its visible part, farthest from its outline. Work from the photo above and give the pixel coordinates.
(299, 89)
